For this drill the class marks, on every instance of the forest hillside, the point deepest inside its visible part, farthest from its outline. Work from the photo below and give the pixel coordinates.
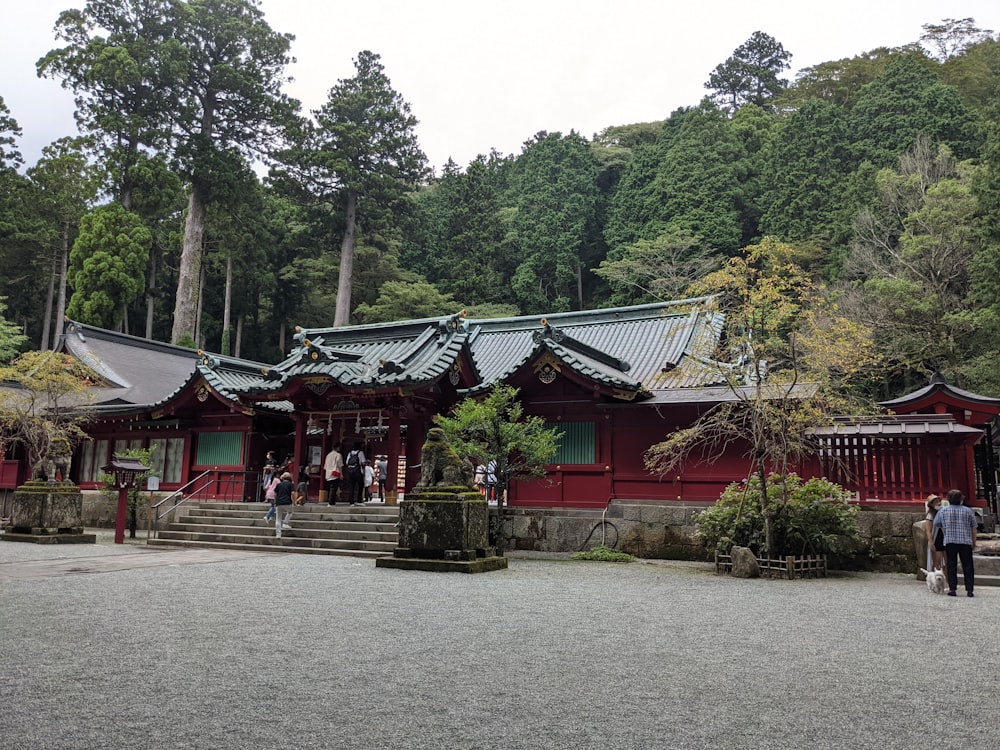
(879, 173)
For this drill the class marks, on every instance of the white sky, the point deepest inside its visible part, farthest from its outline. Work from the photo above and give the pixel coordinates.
(482, 74)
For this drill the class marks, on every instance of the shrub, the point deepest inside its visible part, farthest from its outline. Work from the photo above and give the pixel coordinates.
(815, 519)
(601, 553)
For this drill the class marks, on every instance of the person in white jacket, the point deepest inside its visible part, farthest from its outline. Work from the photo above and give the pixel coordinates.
(369, 481)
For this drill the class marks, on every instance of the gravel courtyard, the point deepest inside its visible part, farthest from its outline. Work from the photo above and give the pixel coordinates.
(126, 646)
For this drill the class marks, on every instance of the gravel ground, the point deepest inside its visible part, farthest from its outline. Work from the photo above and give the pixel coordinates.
(297, 651)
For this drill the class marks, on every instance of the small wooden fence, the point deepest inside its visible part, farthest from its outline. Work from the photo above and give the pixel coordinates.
(813, 566)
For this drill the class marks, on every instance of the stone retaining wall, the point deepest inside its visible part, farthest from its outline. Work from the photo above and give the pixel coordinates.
(666, 531)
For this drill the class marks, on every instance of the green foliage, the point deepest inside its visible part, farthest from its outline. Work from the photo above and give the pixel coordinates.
(126, 66)
(554, 223)
(910, 262)
(657, 269)
(187, 341)
(12, 339)
(107, 265)
(806, 166)
(953, 36)
(47, 398)
(808, 518)
(10, 131)
(750, 75)
(905, 102)
(110, 491)
(797, 362)
(459, 234)
(696, 188)
(406, 300)
(496, 429)
(361, 156)
(603, 553)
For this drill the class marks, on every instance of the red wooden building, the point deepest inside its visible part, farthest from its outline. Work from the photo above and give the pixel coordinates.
(615, 381)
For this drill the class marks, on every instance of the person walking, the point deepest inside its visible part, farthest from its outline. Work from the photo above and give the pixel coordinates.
(491, 481)
(283, 504)
(270, 467)
(269, 491)
(354, 473)
(935, 540)
(333, 468)
(382, 464)
(369, 481)
(959, 524)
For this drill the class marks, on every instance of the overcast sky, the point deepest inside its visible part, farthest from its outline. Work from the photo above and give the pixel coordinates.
(483, 74)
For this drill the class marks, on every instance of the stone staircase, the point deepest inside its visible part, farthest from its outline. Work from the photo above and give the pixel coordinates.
(359, 531)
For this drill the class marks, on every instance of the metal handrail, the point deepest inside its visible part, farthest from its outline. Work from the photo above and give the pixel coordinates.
(179, 491)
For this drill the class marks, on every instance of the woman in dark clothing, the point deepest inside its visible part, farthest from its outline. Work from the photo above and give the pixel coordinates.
(283, 504)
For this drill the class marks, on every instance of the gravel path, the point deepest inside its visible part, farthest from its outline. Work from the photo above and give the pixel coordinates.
(298, 651)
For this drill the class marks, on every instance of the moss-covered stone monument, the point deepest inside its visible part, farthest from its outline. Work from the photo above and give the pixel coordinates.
(443, 522)
(45, 510)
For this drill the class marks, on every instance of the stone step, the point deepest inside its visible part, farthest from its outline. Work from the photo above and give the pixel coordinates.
(347, 524)
(369, 515)
(297, 539)
(285, 544)
(361, 531)
(266, 528)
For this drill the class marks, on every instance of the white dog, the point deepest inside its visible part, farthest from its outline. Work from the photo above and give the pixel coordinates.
(935, 580)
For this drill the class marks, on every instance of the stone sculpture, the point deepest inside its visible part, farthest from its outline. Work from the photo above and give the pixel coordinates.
(56, 458)
(440, 465)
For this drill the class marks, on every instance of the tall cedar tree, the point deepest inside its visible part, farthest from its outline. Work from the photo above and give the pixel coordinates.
(124, 63)
(360, 155)
(231, 106)
(66, 185)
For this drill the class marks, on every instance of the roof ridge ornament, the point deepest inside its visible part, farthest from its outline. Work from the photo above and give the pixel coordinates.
(208, 360)
(453, 323)
(559, 336)
(548, 332)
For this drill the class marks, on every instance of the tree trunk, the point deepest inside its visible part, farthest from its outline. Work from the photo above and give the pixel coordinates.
(151, 295)
(61, 304)
(765, 507)
(201, 302)
(47, 320)
(227, 306)
(281, 340)
(343, 312)
(579, 285)
(189, 274)
(239, 335)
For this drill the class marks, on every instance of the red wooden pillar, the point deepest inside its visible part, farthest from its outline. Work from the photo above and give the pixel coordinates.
(414, 444)
(300, 445)
(392, 448)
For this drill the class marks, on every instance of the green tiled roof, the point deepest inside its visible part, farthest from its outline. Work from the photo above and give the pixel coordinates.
(639, 350)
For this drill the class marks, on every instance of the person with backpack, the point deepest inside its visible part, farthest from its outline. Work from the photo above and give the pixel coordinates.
(354, 474)
(283, 504)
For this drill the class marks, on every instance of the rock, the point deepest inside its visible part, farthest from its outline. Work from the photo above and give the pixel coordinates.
(744, 563)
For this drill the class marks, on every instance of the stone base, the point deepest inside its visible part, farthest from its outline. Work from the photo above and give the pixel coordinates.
(46, 538)
(479, 565)
(47, 508)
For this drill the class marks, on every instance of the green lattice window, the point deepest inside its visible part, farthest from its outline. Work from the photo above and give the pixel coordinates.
(578, 444)
(220, 449)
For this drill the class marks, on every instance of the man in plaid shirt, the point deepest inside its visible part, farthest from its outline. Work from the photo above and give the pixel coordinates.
(959, 524)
